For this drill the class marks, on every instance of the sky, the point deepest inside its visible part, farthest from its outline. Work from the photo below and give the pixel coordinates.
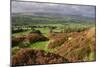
(66, 9)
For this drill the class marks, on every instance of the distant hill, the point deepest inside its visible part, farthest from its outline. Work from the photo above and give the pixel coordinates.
(48, 18)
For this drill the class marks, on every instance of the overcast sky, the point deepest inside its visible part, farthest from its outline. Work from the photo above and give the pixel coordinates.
(18, 7)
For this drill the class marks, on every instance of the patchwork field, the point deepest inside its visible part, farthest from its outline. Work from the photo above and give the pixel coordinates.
(73, 42)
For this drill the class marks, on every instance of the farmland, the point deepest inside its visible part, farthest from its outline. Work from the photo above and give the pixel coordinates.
(47, 34)
(68, 40)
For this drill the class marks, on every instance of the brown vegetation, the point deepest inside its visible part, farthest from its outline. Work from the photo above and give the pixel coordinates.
(78, 45)
(17, 40)
(36, 37)
(70, 47)
(28, 56)
(25, 40)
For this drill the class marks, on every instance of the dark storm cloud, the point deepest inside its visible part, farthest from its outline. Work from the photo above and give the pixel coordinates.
(33, 7)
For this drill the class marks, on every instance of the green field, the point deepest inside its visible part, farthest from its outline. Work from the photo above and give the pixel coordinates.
(40, 45)
(53, 28)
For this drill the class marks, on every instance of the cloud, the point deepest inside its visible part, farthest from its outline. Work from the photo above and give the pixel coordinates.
(18, 7)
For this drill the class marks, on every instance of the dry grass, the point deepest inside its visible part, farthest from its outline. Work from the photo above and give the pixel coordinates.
(79, 46)
(28, 56)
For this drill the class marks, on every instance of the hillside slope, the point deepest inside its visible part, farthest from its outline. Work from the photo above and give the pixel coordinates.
(75, 46)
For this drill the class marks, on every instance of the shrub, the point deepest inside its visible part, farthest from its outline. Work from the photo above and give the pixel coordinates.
(36, 37)
(29, 56)
(24, 41)
(17, 40)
